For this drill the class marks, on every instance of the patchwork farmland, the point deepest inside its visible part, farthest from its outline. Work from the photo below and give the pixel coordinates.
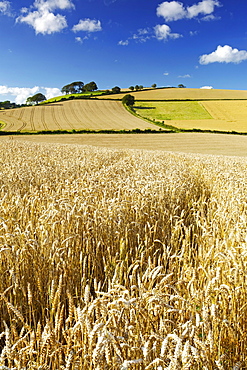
(155, 109)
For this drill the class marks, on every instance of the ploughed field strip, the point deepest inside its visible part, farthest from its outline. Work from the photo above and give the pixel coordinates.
(69, 115)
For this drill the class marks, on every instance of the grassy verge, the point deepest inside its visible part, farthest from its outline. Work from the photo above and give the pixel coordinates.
(85, 95)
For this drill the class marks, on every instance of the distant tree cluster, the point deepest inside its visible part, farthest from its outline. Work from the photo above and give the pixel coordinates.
(79, 87)
(8, 105)
(136, 87)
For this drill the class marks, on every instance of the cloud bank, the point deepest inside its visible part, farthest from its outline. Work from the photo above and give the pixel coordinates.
(20, 94)
(175, 10)
(44, 17)
(224, 54)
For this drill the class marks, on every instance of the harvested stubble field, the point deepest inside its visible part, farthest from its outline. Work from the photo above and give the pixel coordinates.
(121, 259)
(203, 143)
(69, 115)
(181, 94)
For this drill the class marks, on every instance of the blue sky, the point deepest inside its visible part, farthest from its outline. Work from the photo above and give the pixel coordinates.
(45, 44)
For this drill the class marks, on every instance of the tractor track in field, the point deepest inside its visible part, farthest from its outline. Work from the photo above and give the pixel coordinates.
(43, 119)
(31, 119)
(24, 124)
(73, 113)
(66, 118)
(55, 119)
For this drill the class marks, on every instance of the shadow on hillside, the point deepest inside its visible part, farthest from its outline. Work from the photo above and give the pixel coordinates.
(53, 105)
(135, 107)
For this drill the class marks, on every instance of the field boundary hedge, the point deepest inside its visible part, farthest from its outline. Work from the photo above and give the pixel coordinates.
(124, 132)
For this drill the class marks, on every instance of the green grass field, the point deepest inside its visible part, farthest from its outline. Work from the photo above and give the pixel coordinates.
(76, 96)
(171, 110)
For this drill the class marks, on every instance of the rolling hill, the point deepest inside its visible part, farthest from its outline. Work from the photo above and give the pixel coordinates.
(73, 115)
(220, 110)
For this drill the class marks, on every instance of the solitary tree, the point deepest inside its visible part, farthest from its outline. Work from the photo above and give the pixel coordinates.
(137, 87)
(131, 88)
(37, 98)
(128, 100)
(181, 86)
(154, 86)
(116, 90)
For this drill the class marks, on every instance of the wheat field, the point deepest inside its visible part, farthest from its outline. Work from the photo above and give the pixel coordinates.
(121, 259)
(73, 115)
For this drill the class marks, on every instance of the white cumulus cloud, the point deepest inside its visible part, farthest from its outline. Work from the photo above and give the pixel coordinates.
(224, 54)
(206, 87)
(45, 22)
(163, 32)
(43, 19)
(171, 10)
(51, 5)
(175, 10)
(87, 25)
(204, 7)
(20, 94)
